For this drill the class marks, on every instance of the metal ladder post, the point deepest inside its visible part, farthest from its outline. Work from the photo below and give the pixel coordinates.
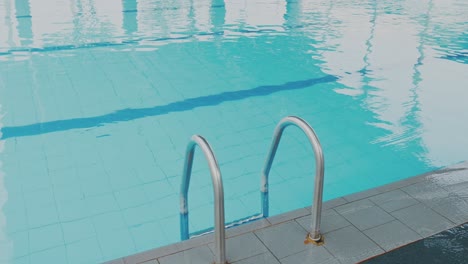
(314, 236)
(219, 232)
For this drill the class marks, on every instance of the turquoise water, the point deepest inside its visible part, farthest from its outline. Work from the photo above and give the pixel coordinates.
(98, 101)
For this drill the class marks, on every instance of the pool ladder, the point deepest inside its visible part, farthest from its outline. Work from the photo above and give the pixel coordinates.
(219, 224)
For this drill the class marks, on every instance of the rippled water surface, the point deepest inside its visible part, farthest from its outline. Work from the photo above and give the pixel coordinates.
(99, 98)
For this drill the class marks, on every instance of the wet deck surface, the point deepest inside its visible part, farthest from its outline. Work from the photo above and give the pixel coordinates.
(356, 227)
(450, 246)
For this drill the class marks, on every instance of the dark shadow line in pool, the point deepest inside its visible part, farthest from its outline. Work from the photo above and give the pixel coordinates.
(102, 44)
(137, 113)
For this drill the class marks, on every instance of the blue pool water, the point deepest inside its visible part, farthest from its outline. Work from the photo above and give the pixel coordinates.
(99, 98)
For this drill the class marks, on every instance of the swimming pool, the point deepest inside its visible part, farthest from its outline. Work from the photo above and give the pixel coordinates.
(98, 101)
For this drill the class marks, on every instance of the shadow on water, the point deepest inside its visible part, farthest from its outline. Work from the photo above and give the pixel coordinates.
(136, 113)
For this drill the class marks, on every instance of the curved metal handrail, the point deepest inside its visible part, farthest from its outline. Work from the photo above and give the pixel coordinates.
(219, 232)
(314, 235)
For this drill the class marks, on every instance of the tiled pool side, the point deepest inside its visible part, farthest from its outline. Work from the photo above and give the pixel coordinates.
(356, 227)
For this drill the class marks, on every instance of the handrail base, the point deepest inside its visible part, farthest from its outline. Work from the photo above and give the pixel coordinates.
(318, 242)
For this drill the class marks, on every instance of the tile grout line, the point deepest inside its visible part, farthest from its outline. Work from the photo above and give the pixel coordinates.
(421, 178)
(324, 246)
(334, 257)
(247, 258)
(362, 231)
(428, 207)
(261, 241)
(396, 219)
(404, 207)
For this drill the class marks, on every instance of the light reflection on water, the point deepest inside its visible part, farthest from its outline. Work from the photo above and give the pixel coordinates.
(101, 82)
(389, 55)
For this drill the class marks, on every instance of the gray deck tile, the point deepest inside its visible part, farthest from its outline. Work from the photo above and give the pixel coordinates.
(153, 254)
(454, 208)
(349, 245)
(153, 261)
(458, 188)
(425, 205)
(393, 200)
(115, 261)
(196, 241)
(331, 221)
(284, 239)
(426, 191)
(250, 227)
(265, 258)
(463, 164)
(288, 216)
(462, 193)
(451, 179)
(452, 172)
(400, 184)
(241, 247)
(392, 235)
(362, 195)
(364, 214)
(169, 249)
(422, 219)
(198, 255)
(314, 254)
(332, 203)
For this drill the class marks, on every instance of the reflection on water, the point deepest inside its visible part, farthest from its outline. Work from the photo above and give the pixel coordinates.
(99, 99)
(386, 54)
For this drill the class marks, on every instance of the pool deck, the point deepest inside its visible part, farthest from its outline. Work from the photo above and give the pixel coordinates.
(356, 227)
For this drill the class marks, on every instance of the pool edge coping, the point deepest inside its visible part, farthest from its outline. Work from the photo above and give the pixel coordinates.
(153, 254)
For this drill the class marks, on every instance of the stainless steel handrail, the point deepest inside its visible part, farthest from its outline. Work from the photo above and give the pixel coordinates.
(314, 235)
(219, 232)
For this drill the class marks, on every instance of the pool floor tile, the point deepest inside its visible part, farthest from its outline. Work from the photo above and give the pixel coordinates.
(422, 219)
(199, 255)
(284, 239)
(53, 255)
(11, 242)
(349, 245)
(109, 221)
(45, 237)
(75, 251)
(364, 214)
(78, 230)
(392, 235)
(116, 241)
(147, 234)
(22, 260)
(42, 215)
